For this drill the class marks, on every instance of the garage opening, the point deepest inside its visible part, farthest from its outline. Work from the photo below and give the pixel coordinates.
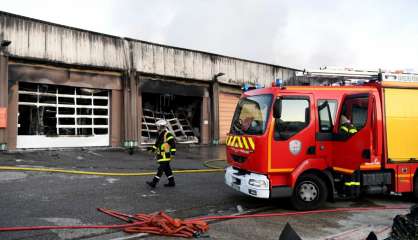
(183, 113)
(62, 116)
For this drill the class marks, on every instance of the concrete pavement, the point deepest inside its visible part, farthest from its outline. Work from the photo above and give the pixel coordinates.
(42, 198)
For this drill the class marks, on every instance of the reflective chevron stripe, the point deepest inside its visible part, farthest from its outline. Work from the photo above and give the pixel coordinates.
(242, 142)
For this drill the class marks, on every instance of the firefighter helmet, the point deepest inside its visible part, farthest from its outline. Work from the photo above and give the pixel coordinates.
(161, 123)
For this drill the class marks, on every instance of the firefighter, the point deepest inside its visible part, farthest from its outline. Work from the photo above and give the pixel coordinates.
(346, 126)
(164, 150)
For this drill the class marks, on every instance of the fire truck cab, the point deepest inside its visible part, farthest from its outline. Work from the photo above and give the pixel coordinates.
(318, 143)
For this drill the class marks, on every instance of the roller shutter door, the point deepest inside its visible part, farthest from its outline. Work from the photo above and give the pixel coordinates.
(227, 104)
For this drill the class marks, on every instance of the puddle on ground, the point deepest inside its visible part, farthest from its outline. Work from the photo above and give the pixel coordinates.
(10, 176)
(72, 233)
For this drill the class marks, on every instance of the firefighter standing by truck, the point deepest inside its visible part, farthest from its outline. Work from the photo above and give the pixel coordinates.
(346, 126)
(164, 149)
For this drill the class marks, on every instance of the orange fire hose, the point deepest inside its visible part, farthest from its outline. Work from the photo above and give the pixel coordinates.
(162, 224)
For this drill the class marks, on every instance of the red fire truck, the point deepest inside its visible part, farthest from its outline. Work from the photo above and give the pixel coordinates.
(318, 143)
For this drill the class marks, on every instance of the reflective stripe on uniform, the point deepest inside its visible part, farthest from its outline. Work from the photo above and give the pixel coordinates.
(167, 138)
(173, 149)
(352, 131)
(350, 184)
(164, 160)
(344, 128)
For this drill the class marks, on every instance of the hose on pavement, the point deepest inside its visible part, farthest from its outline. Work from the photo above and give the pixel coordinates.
(162, 224)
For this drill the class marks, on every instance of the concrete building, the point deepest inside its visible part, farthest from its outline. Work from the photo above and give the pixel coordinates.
(67, 87)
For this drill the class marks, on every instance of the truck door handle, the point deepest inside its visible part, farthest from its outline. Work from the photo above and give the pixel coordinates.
(366, 153)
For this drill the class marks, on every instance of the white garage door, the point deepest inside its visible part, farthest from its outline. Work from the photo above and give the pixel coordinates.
(61, 116)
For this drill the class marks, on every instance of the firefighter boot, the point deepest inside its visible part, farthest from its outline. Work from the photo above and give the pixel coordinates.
(153, 183)
(170, 183)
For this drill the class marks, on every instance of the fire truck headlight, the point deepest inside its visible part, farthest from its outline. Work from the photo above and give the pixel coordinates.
(257, 183)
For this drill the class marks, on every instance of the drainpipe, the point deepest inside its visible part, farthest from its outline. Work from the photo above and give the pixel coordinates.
(130, 97)
(215, 107)
(4, 95)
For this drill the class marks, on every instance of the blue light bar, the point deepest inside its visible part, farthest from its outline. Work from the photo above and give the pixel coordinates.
(279, 82)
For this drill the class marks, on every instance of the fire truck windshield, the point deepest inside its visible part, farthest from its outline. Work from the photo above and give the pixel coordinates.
(251, 115)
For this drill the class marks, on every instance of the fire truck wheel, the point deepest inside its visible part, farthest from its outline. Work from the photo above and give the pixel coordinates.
(310, 193)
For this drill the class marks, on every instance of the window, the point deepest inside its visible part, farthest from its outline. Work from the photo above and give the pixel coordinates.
(294, 117)
(327, 109)
(251, 115)
(354, 112)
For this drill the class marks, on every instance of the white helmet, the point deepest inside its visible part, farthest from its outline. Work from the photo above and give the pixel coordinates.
(161, 123)
(344, 119)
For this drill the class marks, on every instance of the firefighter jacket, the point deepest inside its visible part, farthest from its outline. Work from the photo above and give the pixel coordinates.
(348, 128)
(165, 146)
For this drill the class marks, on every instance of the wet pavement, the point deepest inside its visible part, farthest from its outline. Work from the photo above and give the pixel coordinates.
(44, 198)
(188, 157)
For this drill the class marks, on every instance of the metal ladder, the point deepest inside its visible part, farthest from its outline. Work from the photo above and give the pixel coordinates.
(149, 129)
(175, 126)
(180, 127)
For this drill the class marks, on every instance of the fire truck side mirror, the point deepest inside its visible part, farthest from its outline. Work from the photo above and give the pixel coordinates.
(277, 109)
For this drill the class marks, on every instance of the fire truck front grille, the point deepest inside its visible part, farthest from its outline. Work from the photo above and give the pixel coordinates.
(238, 159)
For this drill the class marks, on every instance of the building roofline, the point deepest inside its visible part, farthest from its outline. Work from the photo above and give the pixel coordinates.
(141, 41)
(58, 25)
(211, 53)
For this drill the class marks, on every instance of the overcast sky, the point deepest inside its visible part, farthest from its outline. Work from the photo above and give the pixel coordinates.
(299, 33)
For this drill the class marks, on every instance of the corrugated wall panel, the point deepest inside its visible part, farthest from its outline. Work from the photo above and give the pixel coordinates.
(36, 40)
(96, 49)
(17, 32)
(137, 56)
(278, 73)
(197, 65)
(114, 54)
(83, 48)
(253, 73)
(159, 60)
(207, 67)
(261, 74)
(69, 55)
(268, 76)
(147, 58)
(230, 74)
(223, 67)
(246, 71)
(53, 43)
(188, 64)
(239, 71)
(287, 74)
(178, 63)
(216, 65)
(169, 61)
